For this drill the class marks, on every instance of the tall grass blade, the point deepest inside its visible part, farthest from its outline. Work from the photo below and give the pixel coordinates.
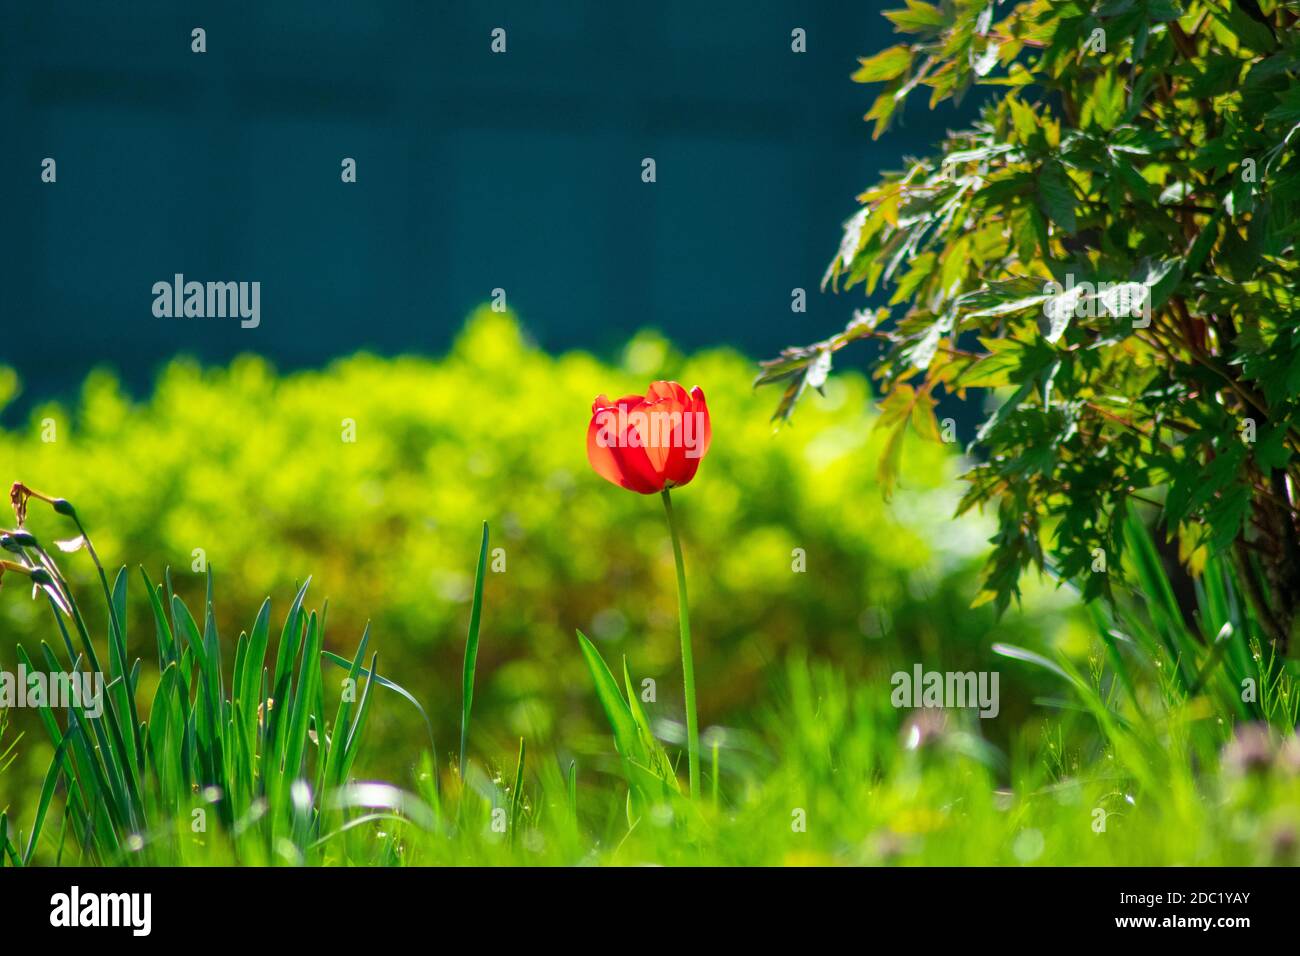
(516, 794)
(387, 684)
(471, 650)
(47, 794)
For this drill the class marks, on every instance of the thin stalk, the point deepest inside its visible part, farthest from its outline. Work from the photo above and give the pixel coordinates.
(688, 661)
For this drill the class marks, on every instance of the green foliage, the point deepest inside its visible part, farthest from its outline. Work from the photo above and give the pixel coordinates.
(260, 761)
(1110, 251)
(249, 466)
(649, 774)
(829, 773)
(1153, 661)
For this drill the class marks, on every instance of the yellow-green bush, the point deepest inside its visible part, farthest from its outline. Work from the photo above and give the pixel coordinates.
(251, 467)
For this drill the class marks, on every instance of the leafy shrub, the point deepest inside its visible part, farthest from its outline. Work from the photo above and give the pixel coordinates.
(1153, 659)
(1111, 248)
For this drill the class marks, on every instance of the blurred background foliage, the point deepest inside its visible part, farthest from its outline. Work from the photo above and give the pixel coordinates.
(252, 467)
(227, 166)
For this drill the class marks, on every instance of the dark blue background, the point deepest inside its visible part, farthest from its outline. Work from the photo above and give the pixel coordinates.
(475, 171)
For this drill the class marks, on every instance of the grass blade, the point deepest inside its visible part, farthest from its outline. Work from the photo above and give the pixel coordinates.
(47, 793)
(471, 649)
(516, 800)
(387, 684)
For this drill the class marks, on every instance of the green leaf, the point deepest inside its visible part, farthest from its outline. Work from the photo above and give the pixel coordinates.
(1252, 34)
(1105, 106)
(992, 371)
(1004, 410)
(471, 649)
(616, 709)
(162, 629)
(1228, 516)
(1056, 196)
(885, 65)
(335, 768)
(919, 17)
(387, 684)
(353, 743)
(516, 792)
(650, 752)
(1030, 657)
(47, 793)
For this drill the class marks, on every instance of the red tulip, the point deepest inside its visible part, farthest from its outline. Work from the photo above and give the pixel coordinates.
(650, 443)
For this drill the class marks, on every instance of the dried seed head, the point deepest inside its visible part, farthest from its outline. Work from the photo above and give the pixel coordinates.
(18, 496)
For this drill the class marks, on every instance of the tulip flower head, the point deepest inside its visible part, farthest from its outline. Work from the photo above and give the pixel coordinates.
(651, 442)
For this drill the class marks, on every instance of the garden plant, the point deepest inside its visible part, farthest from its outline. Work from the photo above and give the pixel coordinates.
(1101, 265)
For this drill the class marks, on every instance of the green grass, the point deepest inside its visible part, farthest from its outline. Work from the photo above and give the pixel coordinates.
(1154, 740)
(204, 758)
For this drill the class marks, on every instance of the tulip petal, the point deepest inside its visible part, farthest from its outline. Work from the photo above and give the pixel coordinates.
(615, 455)
(655, 431)
(600, 454)
(704, 431)
(660, 391)
(636, 467)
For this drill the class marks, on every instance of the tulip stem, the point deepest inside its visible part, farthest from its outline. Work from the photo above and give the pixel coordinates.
(688, 662)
